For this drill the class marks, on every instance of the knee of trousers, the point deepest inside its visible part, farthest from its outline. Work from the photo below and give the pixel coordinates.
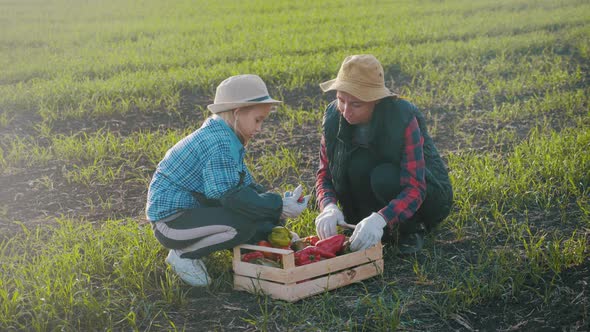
(171, 243)
(385, 182)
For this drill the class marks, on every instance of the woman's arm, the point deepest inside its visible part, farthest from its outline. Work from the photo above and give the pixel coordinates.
(412, 178)
(324, 188)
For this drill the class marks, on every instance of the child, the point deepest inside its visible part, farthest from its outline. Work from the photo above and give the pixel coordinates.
(202, 197)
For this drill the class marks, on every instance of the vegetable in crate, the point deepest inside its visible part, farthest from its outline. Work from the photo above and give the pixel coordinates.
(311, 240)
(249, 257)
(332, 244)
(280, 237)
(270, 255)
(266, 254)
(311, 254)
(266, 262)
(298, 245)
(257, 257)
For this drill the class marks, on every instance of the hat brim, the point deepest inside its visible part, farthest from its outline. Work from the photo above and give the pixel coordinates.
(222, 107)
(364, 93)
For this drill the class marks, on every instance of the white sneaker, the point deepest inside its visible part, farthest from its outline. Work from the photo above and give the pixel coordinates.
(191, 271)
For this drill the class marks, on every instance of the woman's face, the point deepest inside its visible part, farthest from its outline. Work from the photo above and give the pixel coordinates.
(248, 121)
(354, 110)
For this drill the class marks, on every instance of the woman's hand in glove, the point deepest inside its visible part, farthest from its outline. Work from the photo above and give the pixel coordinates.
(326, 221)
(368, 232)
(292, 206)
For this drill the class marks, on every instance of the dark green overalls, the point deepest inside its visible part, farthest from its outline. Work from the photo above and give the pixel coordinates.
(366, 176)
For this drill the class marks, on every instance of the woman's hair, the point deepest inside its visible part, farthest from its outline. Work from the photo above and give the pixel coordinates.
(228, 116)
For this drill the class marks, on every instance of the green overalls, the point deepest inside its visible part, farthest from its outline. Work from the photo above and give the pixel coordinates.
(364, 164)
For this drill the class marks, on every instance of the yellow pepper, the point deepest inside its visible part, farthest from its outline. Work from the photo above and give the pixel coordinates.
(280, 237)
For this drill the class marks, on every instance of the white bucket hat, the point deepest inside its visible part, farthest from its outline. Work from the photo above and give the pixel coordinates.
(239, 91)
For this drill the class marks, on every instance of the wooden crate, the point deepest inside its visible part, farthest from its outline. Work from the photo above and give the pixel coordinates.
(292, 283)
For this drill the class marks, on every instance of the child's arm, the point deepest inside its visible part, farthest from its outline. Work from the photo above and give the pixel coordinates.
(246, 201)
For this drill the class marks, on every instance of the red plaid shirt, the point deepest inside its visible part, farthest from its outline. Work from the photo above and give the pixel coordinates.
(412, 172)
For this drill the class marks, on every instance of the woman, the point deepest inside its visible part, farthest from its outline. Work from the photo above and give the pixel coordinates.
(378, 161)
(202, 197)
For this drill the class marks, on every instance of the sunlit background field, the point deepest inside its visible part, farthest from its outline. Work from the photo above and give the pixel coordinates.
(93, 93)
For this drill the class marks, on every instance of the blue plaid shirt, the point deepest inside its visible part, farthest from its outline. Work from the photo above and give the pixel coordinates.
(209, 161)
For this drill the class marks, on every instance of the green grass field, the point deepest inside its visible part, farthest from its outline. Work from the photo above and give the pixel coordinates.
(93, 93)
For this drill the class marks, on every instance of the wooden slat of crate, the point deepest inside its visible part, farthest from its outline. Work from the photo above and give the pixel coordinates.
(295, 292)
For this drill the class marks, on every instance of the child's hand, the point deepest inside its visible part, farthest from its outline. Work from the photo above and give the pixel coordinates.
(294, 203)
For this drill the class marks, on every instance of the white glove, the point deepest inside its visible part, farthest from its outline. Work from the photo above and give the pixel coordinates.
(292, 208)
(326, 221)
(368, 232)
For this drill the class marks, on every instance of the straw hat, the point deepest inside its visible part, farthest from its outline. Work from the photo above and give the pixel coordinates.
(240, 91)
(361, 76)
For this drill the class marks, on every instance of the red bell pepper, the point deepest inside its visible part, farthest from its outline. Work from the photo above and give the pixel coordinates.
(252, 256)
(332, 244)
(311, 254)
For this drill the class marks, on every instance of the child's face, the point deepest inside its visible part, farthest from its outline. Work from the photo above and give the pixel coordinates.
(249, 121)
